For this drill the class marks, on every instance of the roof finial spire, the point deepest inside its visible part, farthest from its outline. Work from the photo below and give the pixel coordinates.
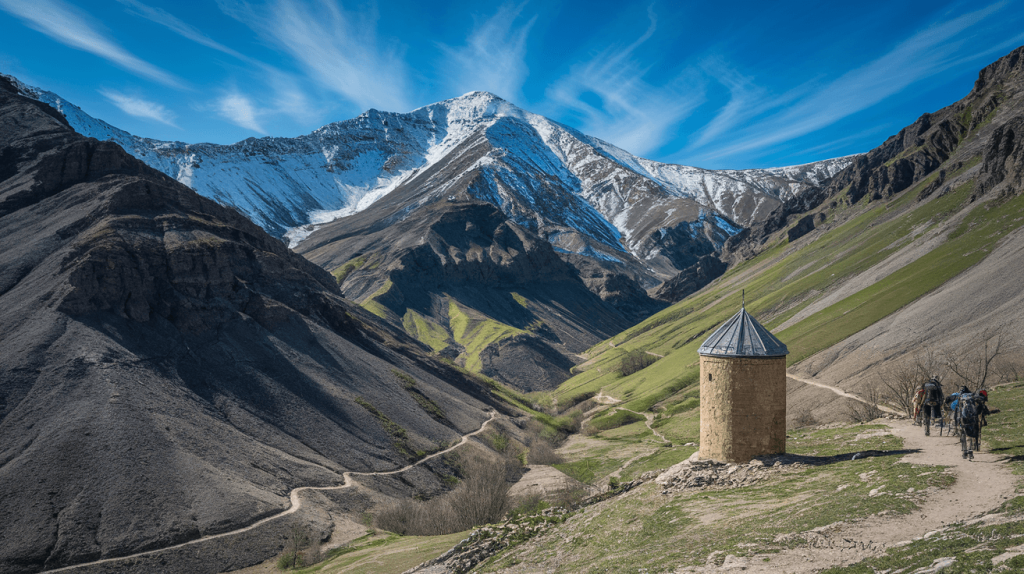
(744, 295)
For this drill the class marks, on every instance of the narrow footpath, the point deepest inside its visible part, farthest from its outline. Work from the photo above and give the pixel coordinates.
(296, 503)
(981, 486)
(840, 392)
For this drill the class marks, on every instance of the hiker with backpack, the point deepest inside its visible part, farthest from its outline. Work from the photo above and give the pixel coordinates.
(969, 412)
(917, 399)
(932, 404)
(953, 402)
(983, 397)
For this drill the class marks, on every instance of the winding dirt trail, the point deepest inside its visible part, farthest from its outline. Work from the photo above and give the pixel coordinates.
(981, 486)
(296, 503)
(649, 418)
(840, 392)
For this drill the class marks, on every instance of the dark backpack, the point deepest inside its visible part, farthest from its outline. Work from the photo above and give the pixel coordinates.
(932, 394)
(969, 408)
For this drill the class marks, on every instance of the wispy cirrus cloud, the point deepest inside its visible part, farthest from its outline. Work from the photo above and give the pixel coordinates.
(176, 25)
(758, 123)
(628, 111)
(139, 107)
(493, 58)
(288, 98)
(72, 27)
(240, 110)
(338, 49)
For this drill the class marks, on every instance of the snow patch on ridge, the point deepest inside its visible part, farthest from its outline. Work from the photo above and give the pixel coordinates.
(538, 172)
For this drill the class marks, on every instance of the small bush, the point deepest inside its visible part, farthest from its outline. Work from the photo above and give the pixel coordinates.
(481, 498)
(290, 560)
(862, 412)
(529, 504)
(634, 361)
(299, 539)
(805, 419)
(541, 452)
(499, 441)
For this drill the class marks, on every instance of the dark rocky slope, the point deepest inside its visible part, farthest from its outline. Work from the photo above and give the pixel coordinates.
(169, 370)
(479, 287)
(691, 279)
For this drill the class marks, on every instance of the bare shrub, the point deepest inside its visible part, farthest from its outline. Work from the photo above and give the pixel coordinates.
(570, 494)
(862, 412)
(975, 364)
(542, 452)
(314, 554)
(1010, 366)
(586, 405)
(634, 361)
(804, 419)
(479, 499)
(540, 445)
(530, 503)
(899, 381)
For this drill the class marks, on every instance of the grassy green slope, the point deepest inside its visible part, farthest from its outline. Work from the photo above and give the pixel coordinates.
(785, 278)
(475, 335)
(472, 331)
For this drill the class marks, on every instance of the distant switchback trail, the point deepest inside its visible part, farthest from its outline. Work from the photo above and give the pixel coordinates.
(296, 504)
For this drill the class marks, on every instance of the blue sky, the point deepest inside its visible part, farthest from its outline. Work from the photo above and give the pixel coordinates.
(711, 84)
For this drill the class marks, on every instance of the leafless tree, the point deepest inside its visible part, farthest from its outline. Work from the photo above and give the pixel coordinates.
(1010, 366)
(974, 363)
(862, 412)
(298, 540)
(899, 380)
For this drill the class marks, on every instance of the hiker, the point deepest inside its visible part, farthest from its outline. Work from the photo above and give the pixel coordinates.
(983, 397)
(970, 409)
(916, 400)
(932, 404)
(953, 402)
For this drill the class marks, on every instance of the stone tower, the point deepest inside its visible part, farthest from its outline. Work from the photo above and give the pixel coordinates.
(742, 392)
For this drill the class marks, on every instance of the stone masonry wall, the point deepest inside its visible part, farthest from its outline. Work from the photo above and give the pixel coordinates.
(742, 407)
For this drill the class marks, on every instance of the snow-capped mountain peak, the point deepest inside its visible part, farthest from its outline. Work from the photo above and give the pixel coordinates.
(584, 193)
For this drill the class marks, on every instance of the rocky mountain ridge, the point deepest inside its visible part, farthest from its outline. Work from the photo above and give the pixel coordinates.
(584, 195)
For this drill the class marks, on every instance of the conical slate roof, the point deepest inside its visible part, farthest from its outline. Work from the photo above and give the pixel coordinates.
(742, 336)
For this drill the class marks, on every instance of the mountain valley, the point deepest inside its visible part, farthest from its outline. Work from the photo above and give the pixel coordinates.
(473, 274)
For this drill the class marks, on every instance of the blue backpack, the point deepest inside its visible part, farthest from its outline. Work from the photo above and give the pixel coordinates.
(969, 409)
